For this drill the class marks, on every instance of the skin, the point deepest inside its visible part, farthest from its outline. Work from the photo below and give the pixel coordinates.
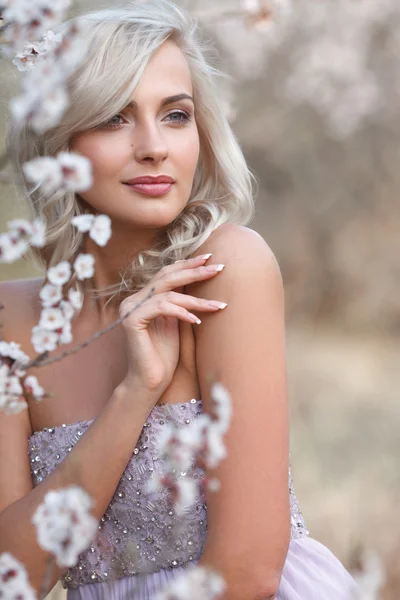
(242, 347)
(145, 140)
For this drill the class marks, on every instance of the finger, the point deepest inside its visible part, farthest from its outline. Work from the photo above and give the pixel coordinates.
(194, 259)
(183, 277)
(151, 310)
(180, 265)
(193, 303)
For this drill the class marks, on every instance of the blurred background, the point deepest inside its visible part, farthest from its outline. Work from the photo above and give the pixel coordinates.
(313, 98)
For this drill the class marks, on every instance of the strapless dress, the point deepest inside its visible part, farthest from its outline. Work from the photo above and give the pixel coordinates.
(141, 545)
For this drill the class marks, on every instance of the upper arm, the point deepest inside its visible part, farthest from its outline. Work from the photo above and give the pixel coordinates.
(243, 347)
(15, 429)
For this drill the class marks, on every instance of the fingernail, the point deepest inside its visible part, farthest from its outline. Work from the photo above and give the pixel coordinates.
(205, 256)
(217, 304)
(214, 267)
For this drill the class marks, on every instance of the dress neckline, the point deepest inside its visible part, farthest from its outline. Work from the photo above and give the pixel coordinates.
(193, 401)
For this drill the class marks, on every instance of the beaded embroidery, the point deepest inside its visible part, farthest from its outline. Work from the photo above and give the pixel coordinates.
(139, 531)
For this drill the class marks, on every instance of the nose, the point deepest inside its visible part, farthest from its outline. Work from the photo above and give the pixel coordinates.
(149, 143)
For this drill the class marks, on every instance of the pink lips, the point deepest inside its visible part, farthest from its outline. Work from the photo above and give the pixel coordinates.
(151, 189)
(151, 186)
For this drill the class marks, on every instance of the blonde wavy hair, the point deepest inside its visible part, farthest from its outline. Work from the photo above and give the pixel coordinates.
(120, 42)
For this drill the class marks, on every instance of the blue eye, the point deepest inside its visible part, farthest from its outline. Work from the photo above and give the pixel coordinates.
(109, 124)
(184, 117)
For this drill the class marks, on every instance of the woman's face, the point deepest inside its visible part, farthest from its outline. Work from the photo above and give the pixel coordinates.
(157, 136)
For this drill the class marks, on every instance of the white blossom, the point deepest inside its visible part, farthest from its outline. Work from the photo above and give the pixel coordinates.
(21, 226)
(216, 449)
(38, 236)
(29, 20)
(14, 581)
(49, 110)
(200, 443)
(13, 385)
(83, 223)
(76, 298)
(49, 41)
(222, 406)
(213, 484)
(33, 52)
(13, 350)
(59, 274)
(77, 171)
(84, 266)
(34, 93)
(21, 234)
(11, 398)
(68, 171)
(67, 309)
(99, 227)
(44, 171)
(100, 231)
(186, 490)
(51, 318)
(43, 99)
(43, 340)
(196, 583)
(31, 385)
(65, 336)
(12, 247)
(179, 445)
(50, 295)
(64, 524)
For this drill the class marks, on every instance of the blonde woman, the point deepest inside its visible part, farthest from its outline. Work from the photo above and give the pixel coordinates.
(170, 174)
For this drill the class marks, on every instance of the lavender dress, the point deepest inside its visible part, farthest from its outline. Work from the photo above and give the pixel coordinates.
(141, 545)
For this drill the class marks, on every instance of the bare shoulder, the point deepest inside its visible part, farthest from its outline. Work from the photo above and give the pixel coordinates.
(233, 240)
(244, 251)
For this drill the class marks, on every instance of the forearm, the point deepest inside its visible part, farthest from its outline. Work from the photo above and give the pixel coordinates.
(96, 463)
(241, 582)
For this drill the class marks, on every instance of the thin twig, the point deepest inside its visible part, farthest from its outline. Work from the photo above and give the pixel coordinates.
(40, 360)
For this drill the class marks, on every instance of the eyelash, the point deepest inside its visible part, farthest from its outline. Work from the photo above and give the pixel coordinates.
(185, 115)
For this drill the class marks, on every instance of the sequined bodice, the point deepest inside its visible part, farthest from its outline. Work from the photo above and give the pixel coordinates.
(139, 532)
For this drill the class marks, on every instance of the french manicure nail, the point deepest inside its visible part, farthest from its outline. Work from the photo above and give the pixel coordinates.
(205, 256)
(217, 304)
(214, 267)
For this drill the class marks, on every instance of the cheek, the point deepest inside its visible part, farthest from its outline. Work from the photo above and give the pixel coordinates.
(106, 158)
(188, 151)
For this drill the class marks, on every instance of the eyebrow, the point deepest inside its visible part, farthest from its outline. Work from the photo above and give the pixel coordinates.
(165, 101)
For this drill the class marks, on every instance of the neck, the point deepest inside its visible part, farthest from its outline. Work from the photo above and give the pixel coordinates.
(110, 263)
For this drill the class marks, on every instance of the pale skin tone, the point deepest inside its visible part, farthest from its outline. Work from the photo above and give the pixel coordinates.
(147, 139)
(242, 346)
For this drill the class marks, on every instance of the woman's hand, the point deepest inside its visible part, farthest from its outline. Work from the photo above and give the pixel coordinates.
(152, 331)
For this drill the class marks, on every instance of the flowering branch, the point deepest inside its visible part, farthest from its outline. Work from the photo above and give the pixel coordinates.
(42, 361)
